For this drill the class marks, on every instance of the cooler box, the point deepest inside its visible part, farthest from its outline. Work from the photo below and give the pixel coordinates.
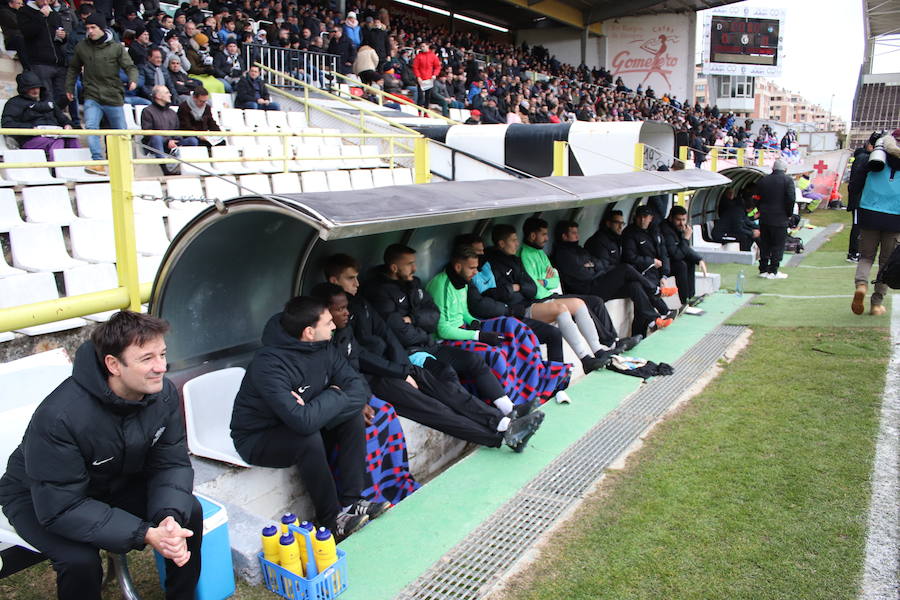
(217, 574)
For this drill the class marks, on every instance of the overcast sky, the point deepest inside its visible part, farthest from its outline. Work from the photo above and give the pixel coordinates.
(823, 49)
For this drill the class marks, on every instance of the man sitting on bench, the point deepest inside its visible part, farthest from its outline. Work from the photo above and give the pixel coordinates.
(645, 250)
(104, 464)
(582, 273)
(300, 399)
(683, 259)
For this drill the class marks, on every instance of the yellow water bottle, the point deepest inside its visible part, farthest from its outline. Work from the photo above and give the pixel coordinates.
(288, 519)
(271, 550)
(290, 554)
(324, 549)
(301, 540)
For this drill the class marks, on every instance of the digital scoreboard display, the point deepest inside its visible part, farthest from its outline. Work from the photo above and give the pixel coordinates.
(740, 40)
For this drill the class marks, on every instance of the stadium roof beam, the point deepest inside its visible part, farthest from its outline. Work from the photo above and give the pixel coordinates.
(613, 10)
(882, 17)
(559, 11)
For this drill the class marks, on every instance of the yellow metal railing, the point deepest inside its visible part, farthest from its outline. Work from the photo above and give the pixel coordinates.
(131, 293)
(382, 95)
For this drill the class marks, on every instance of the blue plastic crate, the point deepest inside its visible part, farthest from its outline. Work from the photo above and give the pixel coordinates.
(331, 583)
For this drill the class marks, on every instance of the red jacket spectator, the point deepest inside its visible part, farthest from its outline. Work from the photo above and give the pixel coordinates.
(426, 65)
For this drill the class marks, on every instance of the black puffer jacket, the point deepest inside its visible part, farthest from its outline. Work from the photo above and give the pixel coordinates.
(380, 352)
(606, 248)
(641, 246)
(509, 270)
(776, 199)
(27, 113)
(285, 364)
(395, 299)
(84, 445)
(857, 180)
(577, 268)
(678, 248)
(39, 32)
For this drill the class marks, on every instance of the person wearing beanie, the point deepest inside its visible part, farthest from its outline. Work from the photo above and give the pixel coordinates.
(203, 67)
(98, 59)
(775, 199)
(878, 217)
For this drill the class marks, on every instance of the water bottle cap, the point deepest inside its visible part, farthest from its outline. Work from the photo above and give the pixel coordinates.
(269, 531)
(307, 526)
(288, 518)
(287, 539)
(323, 534)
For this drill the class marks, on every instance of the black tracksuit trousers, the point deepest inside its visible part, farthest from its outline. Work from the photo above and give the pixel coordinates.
(469, 365)
(683, 271)
(283, 447)
(771, 247)
(549, 335)
(79, 573)
(624, 281)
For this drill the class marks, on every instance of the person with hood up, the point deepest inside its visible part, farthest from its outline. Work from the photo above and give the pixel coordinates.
(104, 464)
(98, 58)
(32, 109)
(878, 216)
(352, 30)
(300, 400)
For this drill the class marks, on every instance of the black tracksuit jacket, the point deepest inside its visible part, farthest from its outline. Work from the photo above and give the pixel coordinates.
(285, 364)
(85, 445)
(677, 247)
(606, 248)
(641, 246)
(394, 299)
(776, 199)
(508, 269)
(380, 352)
(577, 268)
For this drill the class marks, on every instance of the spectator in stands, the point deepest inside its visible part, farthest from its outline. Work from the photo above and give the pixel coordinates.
(45, 40)
(582, 272)
(252, 92)
(202, 65)
(776, 205)
(174, 47)
(158, 116)
(300, 400)
(413, 391)
(97, 59)
(12, 33)
(32, 109)
(139, 47)
(104, 464)
(158, 34)
(230, 63)
(879, 222)
(411, 314)
(515, 288)
(195, 114)
(474, 117)
(227, 32)
(366, 63)
(442, 96)
(184, 85)
(375, 34)
(683, 259)
(339, 44)
(489, 113)
(645, 249)
(426, 67)
(154, 73)
(352, 30)
(129, 20)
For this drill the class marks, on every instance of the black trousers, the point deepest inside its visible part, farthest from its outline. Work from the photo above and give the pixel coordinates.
(283, 447)
(683, 271)
(443, 405)
(853, 247)
(771, 247)
(549, 335)
(468, 365)
(624, 281)
(79, 572)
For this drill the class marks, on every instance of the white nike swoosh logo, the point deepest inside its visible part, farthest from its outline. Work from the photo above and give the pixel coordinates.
(401, 299)
(100, 462)
(644, 242)
(508, 273)
(302, 388)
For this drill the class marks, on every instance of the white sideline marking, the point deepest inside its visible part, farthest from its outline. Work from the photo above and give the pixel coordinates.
(808, 297)
(828, 267)
(880, 579)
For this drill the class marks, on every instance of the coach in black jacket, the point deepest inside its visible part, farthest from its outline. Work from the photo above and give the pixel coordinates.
(683, 259)
(103, 464)
(775, 193)
(300, 398)
(643, 249)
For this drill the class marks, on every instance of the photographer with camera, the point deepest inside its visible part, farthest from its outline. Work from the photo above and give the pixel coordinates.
(878, 217)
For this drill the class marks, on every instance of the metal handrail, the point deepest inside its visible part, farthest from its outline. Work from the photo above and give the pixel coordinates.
(394, 98)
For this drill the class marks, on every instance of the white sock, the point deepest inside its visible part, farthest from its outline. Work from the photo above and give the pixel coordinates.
(588, 329)
(570, 333)
(503, 425)
(504, 404)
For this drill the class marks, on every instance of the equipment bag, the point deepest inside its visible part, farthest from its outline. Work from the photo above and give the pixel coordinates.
(794, 244)
(890, 274)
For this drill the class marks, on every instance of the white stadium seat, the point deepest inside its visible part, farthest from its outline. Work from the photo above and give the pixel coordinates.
(255, 184)
(130, 121)
(351, 156)
(208, 401)
(30, 288)
(8, 271)
(229, 160)
(184, 187)
(242, 141)
(47, 204)
(314, 181)
(361, 179)
(221, 102)
(232, 119)
(147, 267)
(77, 174)
(256, 120)
(150, 235)
(296, 120)
(189, 153)
(259, 166)
(403, 176)
(94, 200)
(9, 210)
(40, 247)
(177, 219)
(382, 177)
(277, 119)
(338, 181)
(221, 188)
(286, 183)
(148, 197)
(370, 150)
(31, 175)
(331, 141)
(93, 240)
(91, 278)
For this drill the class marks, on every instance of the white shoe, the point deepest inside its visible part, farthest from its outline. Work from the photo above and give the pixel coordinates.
(779, 275)
(562, 398)
(765, 276)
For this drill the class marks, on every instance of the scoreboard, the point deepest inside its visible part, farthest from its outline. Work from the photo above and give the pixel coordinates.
(741, 40)
(745, 41)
